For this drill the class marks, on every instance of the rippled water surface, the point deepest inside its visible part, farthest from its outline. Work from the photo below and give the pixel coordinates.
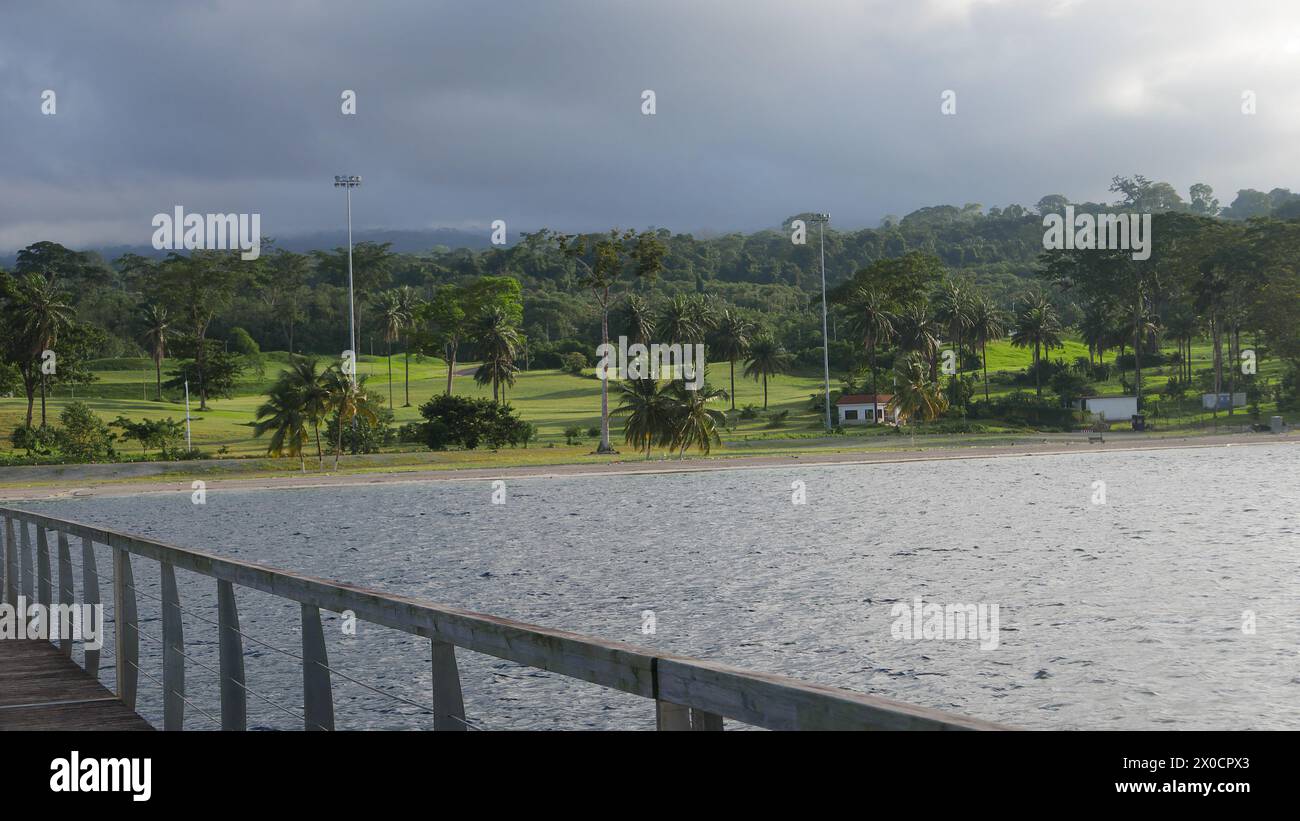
(1122, 615)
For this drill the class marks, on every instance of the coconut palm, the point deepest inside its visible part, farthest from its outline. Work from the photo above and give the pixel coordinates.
(157, 331)
(283, 414)
(347, 401)
(916, 332)
(1037, 327)
(650, 410)
(305, 378)
(696, 424)
(952, 310)
(43, 310)
(873, 322)
(498, 340)
(684, 320)
(411, 303)
(392, 319)
(637, 317)
(766, 359)
(986, 324)
(916, 396)
(731, 336)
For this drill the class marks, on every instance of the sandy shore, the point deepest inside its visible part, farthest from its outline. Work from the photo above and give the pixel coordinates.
(72, 488)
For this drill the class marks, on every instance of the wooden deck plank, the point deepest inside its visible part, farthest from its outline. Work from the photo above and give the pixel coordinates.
(42, 689)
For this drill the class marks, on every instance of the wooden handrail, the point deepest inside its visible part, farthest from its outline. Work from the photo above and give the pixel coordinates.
(690, 693)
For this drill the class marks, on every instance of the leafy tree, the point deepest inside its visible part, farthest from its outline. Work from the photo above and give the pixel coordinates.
(465, 422)
(222, 369)
(83, 436)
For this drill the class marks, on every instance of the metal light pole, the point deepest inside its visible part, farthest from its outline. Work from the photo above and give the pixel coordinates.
(347, 183)
(821, 220)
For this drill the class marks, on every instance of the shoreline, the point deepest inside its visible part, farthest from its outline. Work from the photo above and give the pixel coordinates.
(73, 489)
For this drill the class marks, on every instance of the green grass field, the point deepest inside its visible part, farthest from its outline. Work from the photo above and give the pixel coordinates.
(552, 400)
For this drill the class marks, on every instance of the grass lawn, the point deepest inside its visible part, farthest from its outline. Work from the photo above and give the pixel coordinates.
(552, 400)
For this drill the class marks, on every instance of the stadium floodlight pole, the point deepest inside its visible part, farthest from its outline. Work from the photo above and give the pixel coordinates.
(347, 183)
(821, 220)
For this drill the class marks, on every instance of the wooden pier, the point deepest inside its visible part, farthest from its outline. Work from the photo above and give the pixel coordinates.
(42, 688)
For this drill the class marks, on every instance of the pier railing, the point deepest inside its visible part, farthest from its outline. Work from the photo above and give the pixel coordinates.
(688, 693)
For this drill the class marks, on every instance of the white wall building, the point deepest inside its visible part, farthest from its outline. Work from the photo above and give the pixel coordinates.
(866, 409)
(1109, 408)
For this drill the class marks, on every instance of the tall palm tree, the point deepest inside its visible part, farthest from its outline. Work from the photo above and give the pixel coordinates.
(952, 309)
(766, 359)
(44, 309)
(282, 413)
(684, 320)
(696, 424)
(1037, 327)
(157, 331)
(637, 317)
(873, 321)
(347, 401)
(731, 336)
(917, 333)
(986, 324)
(392, 319)
(498, 340)
(411, 303)
(916, 396)
(304, 378)
(1094, 329)
(650, 410)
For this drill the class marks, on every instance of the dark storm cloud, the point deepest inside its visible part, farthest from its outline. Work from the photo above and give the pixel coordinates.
(530, 111)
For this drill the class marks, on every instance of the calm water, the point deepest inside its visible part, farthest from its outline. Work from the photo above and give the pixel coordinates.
(1122, 615)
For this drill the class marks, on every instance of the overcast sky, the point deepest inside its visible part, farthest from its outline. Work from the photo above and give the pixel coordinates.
(530, 111)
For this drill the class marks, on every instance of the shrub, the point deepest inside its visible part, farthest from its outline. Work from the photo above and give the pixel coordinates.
(84, 437)
(35, 440)
(572, 434)
(465, 422)
(573, 362)
(242, 343)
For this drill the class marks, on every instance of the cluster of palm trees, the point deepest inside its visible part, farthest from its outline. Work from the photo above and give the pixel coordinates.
(399, 312)
(669, 415)
(729, 334)
(303, 398)
(37, 311)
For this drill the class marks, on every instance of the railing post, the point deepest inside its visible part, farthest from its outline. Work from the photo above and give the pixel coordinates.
(25, 559)
(44, 580)
(669, 716)
(448, 705)
(173, 637)
(11, 563)
(704, 720)
(90, 596)
(234, 701)
(126, 627)
(317, 695)
(66, 595)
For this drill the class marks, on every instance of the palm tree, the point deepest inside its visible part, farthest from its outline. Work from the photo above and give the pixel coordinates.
(309, 383)
(696, 424)
(410, 303)
(952, 309)
(986, 324)
(650, 410)
(43, 310)
(916, 332)
(731, 341)
(766, 358)
(684, 320)
(916, 397)
(284, 415)
(638, 318)
(1037, 327)
(497, 339)
(873, 322)
(392, 319)
(157, 330)
(347, 401)
(1094, 328)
